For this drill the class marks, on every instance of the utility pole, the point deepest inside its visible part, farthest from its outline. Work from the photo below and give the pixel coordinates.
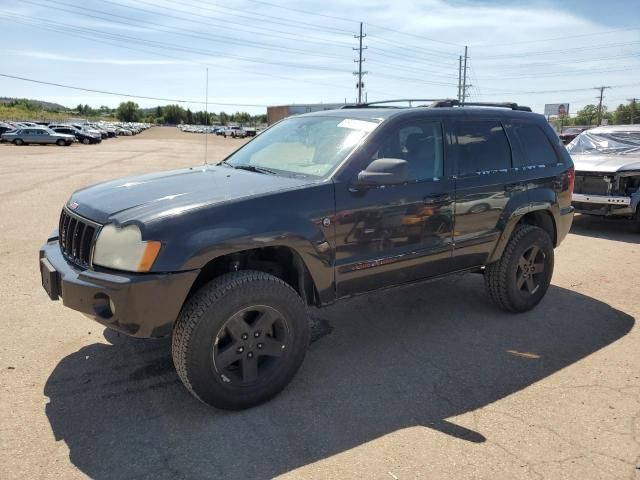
(360, 73)
(464, 76)
(459, 76)
(600, 104)
(632, 108)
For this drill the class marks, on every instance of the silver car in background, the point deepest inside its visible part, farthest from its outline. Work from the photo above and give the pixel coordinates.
(37, 135)
(607, 164)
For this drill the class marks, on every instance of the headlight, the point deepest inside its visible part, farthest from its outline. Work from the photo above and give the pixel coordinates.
(123, 249)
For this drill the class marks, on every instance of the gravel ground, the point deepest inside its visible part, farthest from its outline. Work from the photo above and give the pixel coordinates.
(429, 381)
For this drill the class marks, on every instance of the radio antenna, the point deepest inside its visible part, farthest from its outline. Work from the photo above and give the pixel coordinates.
(206, 118)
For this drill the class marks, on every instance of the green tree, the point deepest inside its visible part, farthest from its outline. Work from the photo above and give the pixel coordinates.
(224, 118)
(159, 112)
(622, 115)
(128, 112)
(588, 115)
(173, 114)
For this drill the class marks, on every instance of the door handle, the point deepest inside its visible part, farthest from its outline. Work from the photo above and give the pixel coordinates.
(515, 187)
(434, 200)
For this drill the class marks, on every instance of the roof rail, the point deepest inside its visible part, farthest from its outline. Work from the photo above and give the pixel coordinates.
(456, 103)
(440, 103)
(382, 102)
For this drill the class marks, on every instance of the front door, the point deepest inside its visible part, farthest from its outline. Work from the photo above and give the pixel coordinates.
(394, 234)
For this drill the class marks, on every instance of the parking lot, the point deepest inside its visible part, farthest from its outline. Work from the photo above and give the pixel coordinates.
(427, 381)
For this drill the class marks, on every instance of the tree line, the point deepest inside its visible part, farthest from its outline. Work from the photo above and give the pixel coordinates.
(624, 114)
(175, 114)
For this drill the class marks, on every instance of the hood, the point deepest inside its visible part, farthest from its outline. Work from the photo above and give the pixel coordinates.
(605, 163)
(151, 197)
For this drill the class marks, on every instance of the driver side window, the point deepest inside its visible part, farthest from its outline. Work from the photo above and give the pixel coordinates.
(419, 142)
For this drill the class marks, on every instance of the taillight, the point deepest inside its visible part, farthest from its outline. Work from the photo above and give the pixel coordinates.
(571, 176)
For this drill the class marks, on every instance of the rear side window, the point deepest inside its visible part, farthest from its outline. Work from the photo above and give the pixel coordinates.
(480, 146)
(535, 145)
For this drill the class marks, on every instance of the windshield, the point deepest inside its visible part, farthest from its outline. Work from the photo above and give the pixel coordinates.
(312, 146)
(619, 143)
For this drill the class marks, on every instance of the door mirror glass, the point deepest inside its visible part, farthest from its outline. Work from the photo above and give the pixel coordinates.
(385, 171)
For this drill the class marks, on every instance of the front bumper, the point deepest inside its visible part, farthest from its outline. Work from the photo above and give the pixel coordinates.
(603, 205)
(139, 305)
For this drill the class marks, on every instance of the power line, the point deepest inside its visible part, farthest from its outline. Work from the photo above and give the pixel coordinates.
(129, 95)
(508, 43)
(306, 12)
(559, 51)
(181, 33)
(180, 48)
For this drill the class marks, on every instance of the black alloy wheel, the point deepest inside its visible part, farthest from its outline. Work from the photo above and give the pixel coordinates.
(250, 345)
(531, 270)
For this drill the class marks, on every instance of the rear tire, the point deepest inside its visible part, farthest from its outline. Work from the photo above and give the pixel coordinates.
(520, 279)
(240, 339)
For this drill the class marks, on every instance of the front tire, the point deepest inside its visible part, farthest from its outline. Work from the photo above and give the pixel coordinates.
(240, 339)
(61, 143)
(519, 280)
(18, 141)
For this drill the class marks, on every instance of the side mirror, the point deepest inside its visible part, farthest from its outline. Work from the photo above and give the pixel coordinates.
(384, 171)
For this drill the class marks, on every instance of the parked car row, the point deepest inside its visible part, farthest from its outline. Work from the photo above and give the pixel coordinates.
(233, 131)
(64, 134)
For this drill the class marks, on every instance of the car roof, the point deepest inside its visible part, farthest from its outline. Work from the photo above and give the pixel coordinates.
(381, 114)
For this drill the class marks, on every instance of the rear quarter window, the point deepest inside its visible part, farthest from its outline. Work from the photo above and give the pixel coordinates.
(480, 146)
(536, 146)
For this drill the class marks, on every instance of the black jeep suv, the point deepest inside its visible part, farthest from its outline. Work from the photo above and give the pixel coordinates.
(319, 207)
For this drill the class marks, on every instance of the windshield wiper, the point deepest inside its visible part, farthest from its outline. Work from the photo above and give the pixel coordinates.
(253, 168)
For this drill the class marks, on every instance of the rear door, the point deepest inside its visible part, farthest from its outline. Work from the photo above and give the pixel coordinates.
(481, 156)
(538, 161)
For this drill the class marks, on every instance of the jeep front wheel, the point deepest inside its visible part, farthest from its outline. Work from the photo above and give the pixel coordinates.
(519, 280)
(240, 339)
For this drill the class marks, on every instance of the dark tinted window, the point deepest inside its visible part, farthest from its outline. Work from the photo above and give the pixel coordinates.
(420, 144)
(535, 145)
(479, 146)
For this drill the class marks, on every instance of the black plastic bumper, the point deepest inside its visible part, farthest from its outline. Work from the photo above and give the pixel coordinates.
(565, 220)
(139, 305)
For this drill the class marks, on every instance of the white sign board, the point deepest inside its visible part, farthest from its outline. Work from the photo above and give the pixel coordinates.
(556, 109)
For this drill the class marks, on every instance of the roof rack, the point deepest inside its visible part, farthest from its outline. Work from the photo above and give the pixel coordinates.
(382, 102)
(457, 103)
(440, 103)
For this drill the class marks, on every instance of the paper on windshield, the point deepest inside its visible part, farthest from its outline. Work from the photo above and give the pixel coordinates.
(361, 125)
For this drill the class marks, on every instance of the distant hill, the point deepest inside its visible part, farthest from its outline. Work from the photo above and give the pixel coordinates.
(40, 103)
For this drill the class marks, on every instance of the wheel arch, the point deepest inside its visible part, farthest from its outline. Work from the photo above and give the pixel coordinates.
(542, 216)
(281, 261)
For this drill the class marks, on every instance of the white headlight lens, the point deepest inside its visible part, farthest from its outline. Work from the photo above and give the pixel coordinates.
(123, 249)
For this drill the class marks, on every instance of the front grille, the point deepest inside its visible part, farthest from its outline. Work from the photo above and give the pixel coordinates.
(76, 238)
(591, 185)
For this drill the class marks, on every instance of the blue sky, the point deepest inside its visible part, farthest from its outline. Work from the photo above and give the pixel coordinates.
(275, 52)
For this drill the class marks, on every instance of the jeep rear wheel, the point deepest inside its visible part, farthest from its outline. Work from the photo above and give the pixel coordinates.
(240, 339)
(519, 280)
